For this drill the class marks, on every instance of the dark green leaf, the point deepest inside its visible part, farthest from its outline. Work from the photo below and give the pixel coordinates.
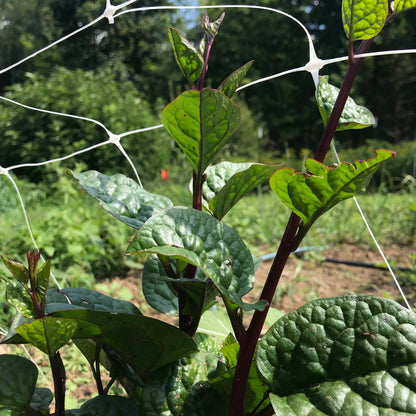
(311, 194)
(48, 334)
(233, 81)
(12, 336)
(203, 241)
(353, 116)
(122, 197)
(18, 270)
(159, 293)
(144, 343)
(166, 391)
(201, 122)
(363, 19)
(401, 5)
(106, 406)
(189, 59)
(41, 399)
(347, 355)
(228, 182)
(18, 378)
(75, 298)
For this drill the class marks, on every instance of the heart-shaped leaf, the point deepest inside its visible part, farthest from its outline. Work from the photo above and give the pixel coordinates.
(122, 197)
(228, 182)
(18, 378)
(48, 334)
(401, 5)
(346, 355)
(363, 19)
(144, 343)
(309, 195)
(353, 116)
(201, 240)
(189, 59)
(201, 122)
(233, 81)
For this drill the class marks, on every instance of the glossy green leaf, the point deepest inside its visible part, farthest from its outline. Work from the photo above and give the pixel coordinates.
(311, 194)
(165, 392)
(12, 336)
(228, 182)
(233, 81)
(75, 298)
(363, 19)
(337, 356)
(41, 399)
(42, 281)
(18, 378)
(106, 406)
(201, 122)
(203, 241)
(353, 116)
(48, 334)
(401, 5)
(18, 270)
(122, 197)
(144, 343)
(189, 59)
(18, 297)
(215, 323)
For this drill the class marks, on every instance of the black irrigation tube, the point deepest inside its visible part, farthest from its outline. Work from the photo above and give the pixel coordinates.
(300, 252)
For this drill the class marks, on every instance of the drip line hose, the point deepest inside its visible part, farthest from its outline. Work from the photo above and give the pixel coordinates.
(301, 251)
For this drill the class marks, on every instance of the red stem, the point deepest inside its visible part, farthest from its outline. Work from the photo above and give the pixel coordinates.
(248, 346)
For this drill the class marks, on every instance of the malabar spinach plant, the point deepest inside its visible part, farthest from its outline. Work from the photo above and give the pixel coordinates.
(351, 355)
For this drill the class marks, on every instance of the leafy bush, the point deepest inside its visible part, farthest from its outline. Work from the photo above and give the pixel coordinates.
(29, 136)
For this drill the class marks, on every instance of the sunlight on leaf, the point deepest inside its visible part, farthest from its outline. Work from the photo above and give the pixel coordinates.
(363, 19)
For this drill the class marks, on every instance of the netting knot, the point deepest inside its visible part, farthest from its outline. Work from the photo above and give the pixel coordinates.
(315, 64)
(114, 138)
(109, 12)
(3, 171)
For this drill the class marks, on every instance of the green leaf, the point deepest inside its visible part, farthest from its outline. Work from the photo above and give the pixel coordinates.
(41, 399)
(122, 197)
(18, 270)
(106, 406)
(48, 334)
(213, 27)
(309, 195)
(75, 298)
(12, 336)
(144, 343)
(18, 378)
(18, 297)
(201, 122)
(353, 116)
(228, 182)
(336, 356)
(233, 81)
(165, 392)
(42, 281)
(215, 323)
(363, 19)
(203, 241)
(160, 290)
(189, 59)
(402, 5)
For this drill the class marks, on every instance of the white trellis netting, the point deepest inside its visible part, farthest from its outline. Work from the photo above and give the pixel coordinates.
(111, 12)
